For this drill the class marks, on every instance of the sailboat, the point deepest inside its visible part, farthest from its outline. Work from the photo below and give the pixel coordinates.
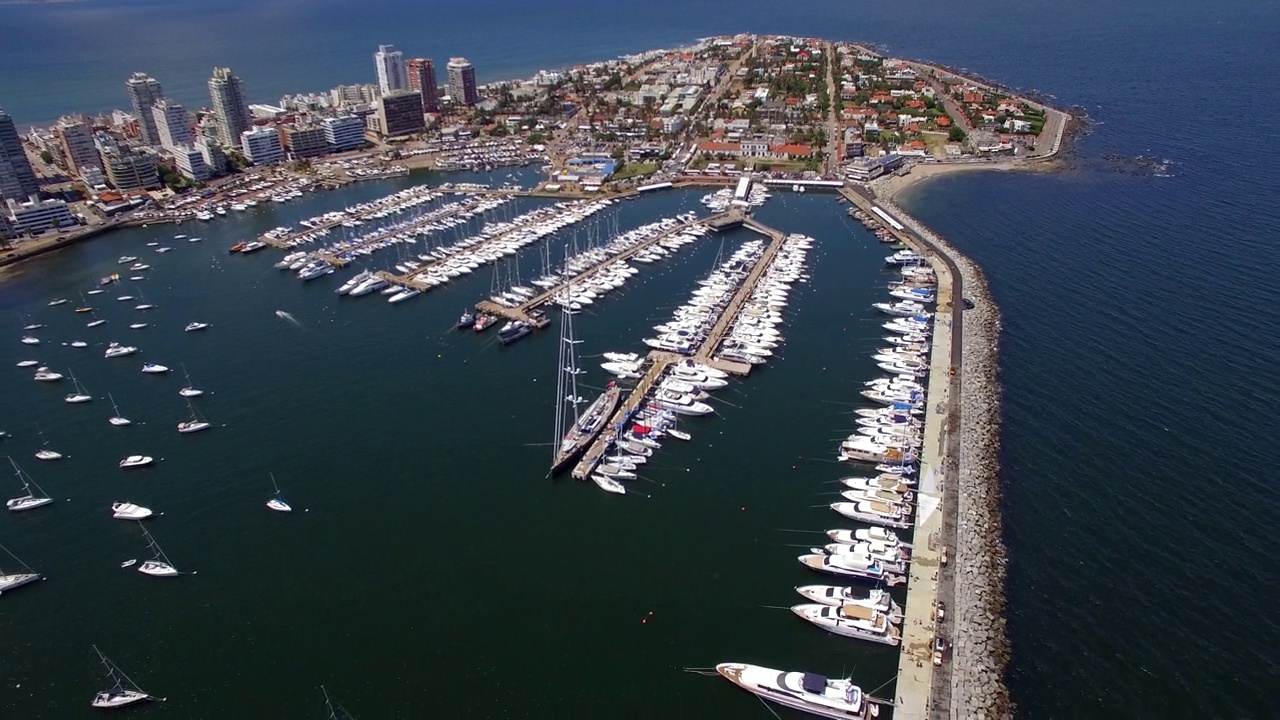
(195, 424)
(44, 453)
(145, 304)
(277, 502)
(12, 581)
(118, 696)
(30, 501)
(96, 321)
(117, 419)
(158, 565)
(79, 396)
(188, 390)
(332, 710)
(574, 436)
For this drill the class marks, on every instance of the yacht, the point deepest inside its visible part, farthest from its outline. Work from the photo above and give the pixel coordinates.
(848, 564)
(513, 331)
(877, 534)
(79, 344)
(465, 320)
(404, 294)
(129, 511)
(28, 363)
(681, 403)
(194, 326)
(28, 340)
(14, 580)
(875, 599)
(57, 301)
(134, 461)
(874, 513)
(806, 692)
(154, 369)
(78, 395)
(158, 565)
(118, 696)
(195, 424)
(117, 350)
(608, 484)
(126, 259)
(137, 326)
(850, 620)
(30, 500)
(353, 282)
(44, 374)
(95, 323)
(118, 420)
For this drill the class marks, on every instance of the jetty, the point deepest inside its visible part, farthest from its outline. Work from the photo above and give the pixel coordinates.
(659, 361)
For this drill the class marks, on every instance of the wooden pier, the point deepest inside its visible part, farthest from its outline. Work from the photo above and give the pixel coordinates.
(660, 360)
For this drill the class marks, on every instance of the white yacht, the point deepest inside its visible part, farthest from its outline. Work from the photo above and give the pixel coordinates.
(14, 580)
(134, 461)
(158, 565)
(681, 403)
(28, 340)
(118, 420)
(129, 511)
(118, 350)
(277, 502)
(79, 344)
(849, 565)
(608, 484)
(194, 326)
(154, 369)
(874, 513)
(118, 696)
(806, 692)
(851, 620)
(876, 599)
(44, 374)
(28, 363)
(78, 395)
(195, 424)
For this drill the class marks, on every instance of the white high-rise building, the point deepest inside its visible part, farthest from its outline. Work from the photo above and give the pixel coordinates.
(391, 72)
(190, 162)
(144, 91)
(172, 124)
(343, 133)
(229, 106)
(261, 146)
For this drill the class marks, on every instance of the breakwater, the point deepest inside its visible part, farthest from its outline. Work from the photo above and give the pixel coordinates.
(981, 646)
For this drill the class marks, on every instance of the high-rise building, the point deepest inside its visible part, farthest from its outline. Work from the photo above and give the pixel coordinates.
(17, 181)
(390, 65)
(422, 77)
(190, 162)
(229, 107)
(400, 113)
(261, 146)
(75, 139)
(462, 82)
(172, 124)
(305, 141)
(343, 133)
(127, 169)
(144, 91)
(213, 156)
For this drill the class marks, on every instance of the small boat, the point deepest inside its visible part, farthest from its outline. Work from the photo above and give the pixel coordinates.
(195, 424)
(118, 696)
(678, 434)
(194, 326)
(14, 580)
(129, 563)
(484, 321)
(608, 484)
(79, 395)
(44, 374)
(129, 511)
(57, 301)
(189, 390)
(145, 304)
(117, 419)
(126, 259)
(163, 249)
(513, 331)
(79, 344)
(466, 320)
(158, 565)
(28, 363)
(134, 461)
(33, 327)
(44, 453)
(137, 326)
(806, 692)
(118, 350)
(30, 500)
(277, 502)
(154, 369)
(124, 298)
(28, 340)
(238, 247)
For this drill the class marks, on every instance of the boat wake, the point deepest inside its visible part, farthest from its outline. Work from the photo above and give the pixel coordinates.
(286, 316)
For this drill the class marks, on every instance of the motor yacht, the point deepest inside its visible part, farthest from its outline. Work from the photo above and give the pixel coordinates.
(836, 595)
(129, 511)
(807, 692)
(194, 326)
(135, 461)
(851, 620)
(117, 350)
(154, 369)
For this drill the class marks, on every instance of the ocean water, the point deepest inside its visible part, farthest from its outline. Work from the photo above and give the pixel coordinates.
(438, 570)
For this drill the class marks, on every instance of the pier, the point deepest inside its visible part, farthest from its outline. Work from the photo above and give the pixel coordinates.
(924, 688)
(660, 360)
(285, 241)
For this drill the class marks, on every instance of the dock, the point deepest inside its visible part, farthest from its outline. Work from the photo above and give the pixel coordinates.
(524, 311)
(660, 360)
(284, 241)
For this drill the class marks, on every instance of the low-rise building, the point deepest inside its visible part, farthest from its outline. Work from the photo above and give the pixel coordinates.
(261, 146)
(343, 133)
(126, 168)
(35, 216)
(400, 113)
(868, 168)
(189, 161)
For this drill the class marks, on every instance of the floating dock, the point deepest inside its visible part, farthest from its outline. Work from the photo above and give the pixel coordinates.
(660, 360)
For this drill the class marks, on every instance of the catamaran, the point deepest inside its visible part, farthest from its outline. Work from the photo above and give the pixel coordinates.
(30, 500)
(195, 424)
(79, 396)
(158, 565)
(14, 580)
(118, 420)
(277, 502)
(118, 696)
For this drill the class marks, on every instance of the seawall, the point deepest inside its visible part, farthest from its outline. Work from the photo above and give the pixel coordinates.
(980, 652)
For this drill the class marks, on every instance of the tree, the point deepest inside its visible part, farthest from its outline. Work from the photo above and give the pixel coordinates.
(46, 157)
(955, 134)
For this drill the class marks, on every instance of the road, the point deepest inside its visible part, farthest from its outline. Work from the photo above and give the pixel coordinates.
(834, 132)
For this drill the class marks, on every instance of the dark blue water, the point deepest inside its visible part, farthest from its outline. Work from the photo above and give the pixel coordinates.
(1139, 465)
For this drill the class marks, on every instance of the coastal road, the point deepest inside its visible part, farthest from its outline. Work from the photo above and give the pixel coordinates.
(834, 135)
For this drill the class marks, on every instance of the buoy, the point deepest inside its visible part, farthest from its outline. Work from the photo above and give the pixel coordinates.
(743, 508)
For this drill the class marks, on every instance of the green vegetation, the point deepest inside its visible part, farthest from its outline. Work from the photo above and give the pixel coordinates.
(536, 138)
(46, 157)
(955, 134)
(631, 170)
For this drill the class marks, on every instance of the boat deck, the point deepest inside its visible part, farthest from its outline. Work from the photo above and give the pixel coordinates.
(283, 242)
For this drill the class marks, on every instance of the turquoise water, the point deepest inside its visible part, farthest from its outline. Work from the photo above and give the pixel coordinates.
(1138, 462)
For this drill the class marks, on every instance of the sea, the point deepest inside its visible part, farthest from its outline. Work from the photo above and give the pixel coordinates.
(430, 567)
